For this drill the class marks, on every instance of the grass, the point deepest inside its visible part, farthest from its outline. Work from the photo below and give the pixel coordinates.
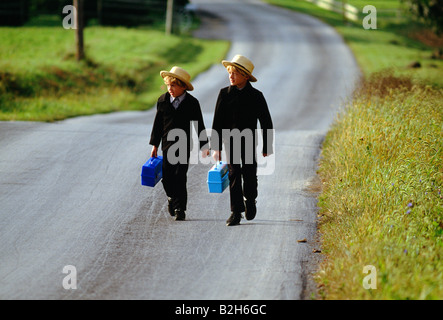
(41, 81)
(381, 202)
(382, 165)
(395, 44)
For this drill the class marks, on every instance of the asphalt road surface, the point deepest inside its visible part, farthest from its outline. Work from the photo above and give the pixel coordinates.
(71, 195)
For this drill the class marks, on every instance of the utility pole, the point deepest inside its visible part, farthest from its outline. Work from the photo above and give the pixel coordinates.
(169, 16)
(80, 54)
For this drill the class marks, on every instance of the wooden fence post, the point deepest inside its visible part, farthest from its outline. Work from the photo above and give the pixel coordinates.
(169, 16)
(80, 54)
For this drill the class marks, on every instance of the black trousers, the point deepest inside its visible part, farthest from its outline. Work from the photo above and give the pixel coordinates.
(243, 183)
(174, 183)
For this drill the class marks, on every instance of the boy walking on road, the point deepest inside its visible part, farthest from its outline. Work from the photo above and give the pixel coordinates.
(176, 109)
(237, 109)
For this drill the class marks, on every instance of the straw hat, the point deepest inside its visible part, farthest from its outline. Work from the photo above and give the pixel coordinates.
(180, 74)
(242, 63)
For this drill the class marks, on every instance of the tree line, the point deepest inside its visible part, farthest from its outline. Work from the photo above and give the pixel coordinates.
(102, 12)
(429, 12)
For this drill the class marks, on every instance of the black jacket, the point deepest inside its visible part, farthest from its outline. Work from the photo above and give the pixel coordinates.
(240, 109)
(168, 118)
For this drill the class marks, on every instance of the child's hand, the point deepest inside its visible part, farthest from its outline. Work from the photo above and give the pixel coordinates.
(216, 155)
(205, 153)
(154, 152)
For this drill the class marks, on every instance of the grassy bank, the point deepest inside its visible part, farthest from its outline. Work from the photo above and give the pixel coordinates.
(382, 165)
(397, 42)
(381, 203)
(40, 79)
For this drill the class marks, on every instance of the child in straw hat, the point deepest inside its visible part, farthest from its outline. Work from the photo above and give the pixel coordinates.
(238, 108)
(176, 109)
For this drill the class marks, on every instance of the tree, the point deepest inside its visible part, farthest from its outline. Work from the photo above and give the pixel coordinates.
(80, 54)
(428, 11)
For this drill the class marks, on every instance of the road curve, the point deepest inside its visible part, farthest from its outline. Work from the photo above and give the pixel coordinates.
(70, 191)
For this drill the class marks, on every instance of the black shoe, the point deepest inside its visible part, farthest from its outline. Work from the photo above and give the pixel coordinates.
(234, 219)
(250, 209)
(180, 215)
(170, 209)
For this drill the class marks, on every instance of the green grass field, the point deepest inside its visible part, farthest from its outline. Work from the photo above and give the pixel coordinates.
(41, 80)
(394, 44)
(381, 167)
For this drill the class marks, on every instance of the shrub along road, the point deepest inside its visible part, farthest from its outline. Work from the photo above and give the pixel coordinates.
(71, 193)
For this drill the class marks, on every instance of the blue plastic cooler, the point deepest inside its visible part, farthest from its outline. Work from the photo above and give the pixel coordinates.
(218, 178)
(152, 171)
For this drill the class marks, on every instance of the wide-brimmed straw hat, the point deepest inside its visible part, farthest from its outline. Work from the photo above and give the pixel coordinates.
(242, 63)
(180, 74)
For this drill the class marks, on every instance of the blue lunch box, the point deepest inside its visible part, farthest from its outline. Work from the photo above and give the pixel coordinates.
(218, 178)
(152, 171)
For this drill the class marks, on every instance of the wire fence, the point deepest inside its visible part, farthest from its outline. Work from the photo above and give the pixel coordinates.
(349, 12)
(354, 13)
(13, 13)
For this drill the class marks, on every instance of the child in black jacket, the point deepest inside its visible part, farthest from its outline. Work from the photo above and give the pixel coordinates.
(238, 109)
(176, 110)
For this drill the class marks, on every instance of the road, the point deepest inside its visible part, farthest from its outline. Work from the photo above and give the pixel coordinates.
(70, 191)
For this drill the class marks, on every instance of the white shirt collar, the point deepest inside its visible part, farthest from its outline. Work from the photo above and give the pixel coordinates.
(180, 98)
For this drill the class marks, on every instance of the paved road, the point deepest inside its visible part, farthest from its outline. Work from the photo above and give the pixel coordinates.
(70, 192)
